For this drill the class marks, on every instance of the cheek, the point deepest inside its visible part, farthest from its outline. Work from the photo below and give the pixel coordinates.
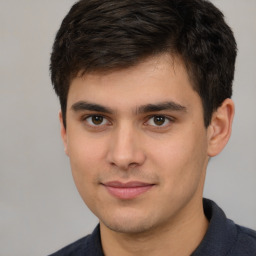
(86, 162)
(84, 150)
(181, 161)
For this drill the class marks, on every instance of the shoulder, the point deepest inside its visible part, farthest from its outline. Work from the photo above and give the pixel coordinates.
(76, 248)
(89, 245)
(223, 236)
(245, 242)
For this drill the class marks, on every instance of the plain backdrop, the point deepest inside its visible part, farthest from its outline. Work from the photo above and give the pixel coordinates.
(40, 209)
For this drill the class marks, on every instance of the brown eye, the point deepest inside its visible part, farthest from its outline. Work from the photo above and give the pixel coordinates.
(159, 120)
(95, 120)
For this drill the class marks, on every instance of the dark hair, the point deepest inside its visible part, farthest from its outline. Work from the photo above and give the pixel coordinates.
(103, 35)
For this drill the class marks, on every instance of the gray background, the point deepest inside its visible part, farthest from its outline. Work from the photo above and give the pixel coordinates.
(40, 209)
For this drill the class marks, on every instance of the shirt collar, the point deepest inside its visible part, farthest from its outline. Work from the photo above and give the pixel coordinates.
(221, 233)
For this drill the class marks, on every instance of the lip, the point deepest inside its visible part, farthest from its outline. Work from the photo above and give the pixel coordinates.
(127, 190)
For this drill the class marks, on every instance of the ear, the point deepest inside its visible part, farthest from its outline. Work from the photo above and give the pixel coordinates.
(63, 133)
(219, 130)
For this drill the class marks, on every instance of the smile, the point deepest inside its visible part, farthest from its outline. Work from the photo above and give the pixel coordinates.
(128, 190)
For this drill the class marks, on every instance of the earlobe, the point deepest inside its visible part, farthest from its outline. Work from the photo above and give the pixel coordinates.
(63, 133)
(219, 130)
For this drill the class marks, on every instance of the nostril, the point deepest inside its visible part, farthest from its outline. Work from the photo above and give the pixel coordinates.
(133, 165)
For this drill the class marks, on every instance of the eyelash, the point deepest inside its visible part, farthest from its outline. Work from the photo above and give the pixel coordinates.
(166, 119)
(107, 122)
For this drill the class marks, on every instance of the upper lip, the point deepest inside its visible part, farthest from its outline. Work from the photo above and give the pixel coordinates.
(130, 184)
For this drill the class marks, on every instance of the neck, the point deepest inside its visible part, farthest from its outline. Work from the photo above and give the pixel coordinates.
(180, 237)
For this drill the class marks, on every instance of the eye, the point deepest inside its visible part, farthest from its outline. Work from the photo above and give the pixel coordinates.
(158, 121)
(96, 120)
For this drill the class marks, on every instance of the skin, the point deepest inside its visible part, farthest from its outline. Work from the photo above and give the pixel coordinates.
(113, 135)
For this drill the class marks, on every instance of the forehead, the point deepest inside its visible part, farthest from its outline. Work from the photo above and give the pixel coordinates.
(156, 79)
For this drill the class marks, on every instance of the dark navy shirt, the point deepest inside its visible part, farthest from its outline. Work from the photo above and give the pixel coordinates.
(223, 238)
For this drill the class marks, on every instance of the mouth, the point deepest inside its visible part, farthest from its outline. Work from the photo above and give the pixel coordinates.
(127, 190)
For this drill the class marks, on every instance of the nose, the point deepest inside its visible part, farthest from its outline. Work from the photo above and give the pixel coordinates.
(125, 149)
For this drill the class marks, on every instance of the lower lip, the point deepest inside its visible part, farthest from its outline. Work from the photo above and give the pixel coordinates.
(127, 192)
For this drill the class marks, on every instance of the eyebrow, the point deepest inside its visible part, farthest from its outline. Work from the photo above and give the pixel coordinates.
(83, 105)
(170, 105)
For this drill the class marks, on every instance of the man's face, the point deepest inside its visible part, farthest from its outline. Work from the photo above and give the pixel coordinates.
(137, 144)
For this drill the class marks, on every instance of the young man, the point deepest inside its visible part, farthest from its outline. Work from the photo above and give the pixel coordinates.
(144, 88)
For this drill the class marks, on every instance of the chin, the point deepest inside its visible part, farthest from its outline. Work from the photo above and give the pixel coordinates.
(129, 224)
(128, 227)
